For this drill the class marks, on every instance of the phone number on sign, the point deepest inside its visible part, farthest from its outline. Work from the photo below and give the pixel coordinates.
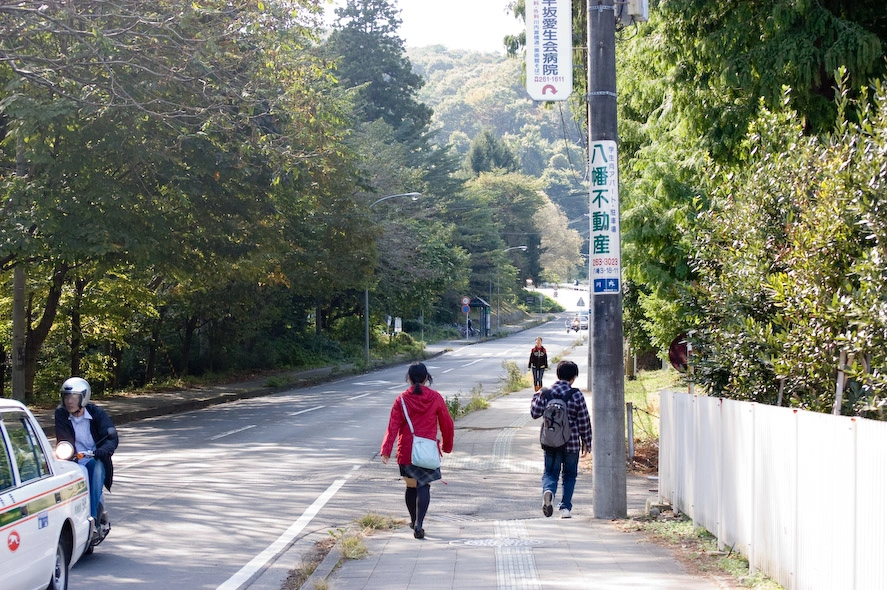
(605, 262)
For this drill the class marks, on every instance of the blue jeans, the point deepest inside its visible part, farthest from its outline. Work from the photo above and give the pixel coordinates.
(95, 477)
(555, 463)
(537, 376)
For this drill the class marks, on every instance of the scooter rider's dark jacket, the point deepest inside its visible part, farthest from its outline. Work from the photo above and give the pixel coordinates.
(99, 426)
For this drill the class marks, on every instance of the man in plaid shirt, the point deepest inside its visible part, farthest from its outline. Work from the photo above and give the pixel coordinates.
(566, 458)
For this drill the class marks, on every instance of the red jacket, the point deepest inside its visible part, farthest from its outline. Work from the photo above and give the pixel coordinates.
(427, 411)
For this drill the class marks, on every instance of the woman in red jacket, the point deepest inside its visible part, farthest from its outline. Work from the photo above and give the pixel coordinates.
(538, 363)
(428, 411)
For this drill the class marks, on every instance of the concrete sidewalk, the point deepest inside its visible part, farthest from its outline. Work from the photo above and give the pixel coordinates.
(485, 529)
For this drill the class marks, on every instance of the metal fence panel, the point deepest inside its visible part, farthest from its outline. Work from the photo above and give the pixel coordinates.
(685, 456)
(737, 485)
(707, 471)
(871, 516)
(667, 445)
(826, 487)
(775, 490)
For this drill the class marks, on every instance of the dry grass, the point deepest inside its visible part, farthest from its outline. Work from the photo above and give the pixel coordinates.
(310, 561)
(697, 550)
(350, 543)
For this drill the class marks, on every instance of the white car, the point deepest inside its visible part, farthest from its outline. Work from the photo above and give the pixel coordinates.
(44, 506)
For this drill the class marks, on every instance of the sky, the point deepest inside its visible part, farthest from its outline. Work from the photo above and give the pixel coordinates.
(456, 24)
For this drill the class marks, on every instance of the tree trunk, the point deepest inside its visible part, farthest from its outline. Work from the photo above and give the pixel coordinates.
(36, 335)
(190, 326)
(77, 326)
(2, 371)
(318, 319)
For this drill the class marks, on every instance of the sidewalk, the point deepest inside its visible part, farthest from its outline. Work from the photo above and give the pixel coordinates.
(485, 529)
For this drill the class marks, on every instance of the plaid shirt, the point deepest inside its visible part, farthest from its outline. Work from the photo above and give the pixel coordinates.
(580, 423)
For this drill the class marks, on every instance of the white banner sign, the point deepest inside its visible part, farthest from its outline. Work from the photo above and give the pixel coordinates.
(549, 49)
(606, 254)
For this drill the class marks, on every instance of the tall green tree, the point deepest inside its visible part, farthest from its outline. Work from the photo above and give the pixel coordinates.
(374, 63)
(488, 154)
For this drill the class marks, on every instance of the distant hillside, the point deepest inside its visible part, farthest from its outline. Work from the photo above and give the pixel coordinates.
(470, 91)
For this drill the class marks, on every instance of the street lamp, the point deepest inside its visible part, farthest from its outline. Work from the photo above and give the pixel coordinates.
(414, 196)
(522, 248)
(366, 291)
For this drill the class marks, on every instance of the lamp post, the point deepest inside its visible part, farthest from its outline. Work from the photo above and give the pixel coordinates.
(523, 248)
(366, 291)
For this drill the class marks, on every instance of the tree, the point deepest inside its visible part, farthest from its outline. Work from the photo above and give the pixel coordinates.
(488, 154)
(187, 118)
(561, 246)
(374, 62)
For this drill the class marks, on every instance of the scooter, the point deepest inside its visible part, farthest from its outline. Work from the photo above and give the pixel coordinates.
(98, 530)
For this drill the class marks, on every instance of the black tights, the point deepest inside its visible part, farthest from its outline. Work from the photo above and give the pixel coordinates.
(417, 500)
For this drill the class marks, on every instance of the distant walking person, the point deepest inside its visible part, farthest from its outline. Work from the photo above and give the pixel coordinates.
(575, 436)
(538, 363)
(427, 411)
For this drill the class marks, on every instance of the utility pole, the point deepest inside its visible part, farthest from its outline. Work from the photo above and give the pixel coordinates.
(605, 360)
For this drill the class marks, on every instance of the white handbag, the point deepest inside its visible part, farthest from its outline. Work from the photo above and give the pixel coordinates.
(425, 452)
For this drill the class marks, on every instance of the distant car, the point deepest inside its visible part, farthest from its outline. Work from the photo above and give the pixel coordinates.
(583, 322)
(44, 506)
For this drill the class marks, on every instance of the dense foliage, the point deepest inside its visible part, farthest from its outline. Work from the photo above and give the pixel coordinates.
(749, 136)
(210, 188)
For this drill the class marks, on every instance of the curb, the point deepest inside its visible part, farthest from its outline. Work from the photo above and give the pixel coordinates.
(324, 569)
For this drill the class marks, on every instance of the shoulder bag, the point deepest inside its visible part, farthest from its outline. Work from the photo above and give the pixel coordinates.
(425, 452)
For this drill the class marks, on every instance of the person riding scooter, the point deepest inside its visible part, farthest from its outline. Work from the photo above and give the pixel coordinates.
(90, 430)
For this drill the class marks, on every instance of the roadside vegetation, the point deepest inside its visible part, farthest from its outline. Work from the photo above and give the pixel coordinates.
(350, 543)
(697, 550)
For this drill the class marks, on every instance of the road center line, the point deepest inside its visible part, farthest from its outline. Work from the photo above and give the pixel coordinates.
(359, 396)
(306, 411)
(230, 432)
(259, 561)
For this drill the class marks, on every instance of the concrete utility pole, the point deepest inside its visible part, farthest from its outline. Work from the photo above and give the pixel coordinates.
(605, 361)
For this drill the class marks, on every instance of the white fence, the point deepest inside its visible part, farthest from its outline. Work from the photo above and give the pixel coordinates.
(802, 495)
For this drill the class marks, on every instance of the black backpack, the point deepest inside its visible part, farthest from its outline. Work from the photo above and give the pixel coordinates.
(555, 432)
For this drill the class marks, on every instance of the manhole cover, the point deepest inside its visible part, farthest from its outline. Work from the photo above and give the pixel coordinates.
(500, 542)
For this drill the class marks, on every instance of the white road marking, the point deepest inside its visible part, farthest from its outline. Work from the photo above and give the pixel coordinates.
(360, 396)
(230, 432)
(306, 411)
(259, 561)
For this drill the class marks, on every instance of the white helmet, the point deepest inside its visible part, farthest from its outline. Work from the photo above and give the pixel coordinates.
(78, 386)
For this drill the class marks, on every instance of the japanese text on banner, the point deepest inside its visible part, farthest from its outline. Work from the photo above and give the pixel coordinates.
(606, 263)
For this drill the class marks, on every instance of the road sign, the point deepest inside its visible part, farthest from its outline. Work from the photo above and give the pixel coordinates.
(465, 309)
(606, 257)
(549, 49)
(466, 300)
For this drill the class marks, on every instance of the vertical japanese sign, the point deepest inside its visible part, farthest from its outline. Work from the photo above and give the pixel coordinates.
(606, 253)
(549, 49)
